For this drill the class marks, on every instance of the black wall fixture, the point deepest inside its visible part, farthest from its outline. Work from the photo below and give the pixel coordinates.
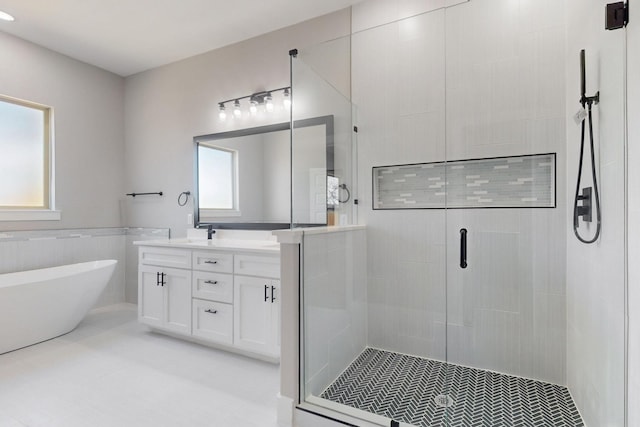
(158, 193)
(616, 15)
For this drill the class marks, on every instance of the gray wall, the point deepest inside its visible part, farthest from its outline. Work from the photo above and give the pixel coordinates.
(89, 131)
(167, 106)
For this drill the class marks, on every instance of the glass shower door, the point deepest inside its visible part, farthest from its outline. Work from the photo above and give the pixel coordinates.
(526, 305)
(385, 308)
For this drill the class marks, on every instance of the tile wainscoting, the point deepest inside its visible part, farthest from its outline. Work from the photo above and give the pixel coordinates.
(29, 250)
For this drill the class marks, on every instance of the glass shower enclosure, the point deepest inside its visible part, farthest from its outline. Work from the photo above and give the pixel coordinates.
(466, 300)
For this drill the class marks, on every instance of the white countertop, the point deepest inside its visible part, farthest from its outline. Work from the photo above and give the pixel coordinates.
(239, 245)
(295, 235)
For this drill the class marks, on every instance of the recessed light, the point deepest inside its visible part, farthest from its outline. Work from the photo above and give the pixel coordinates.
(6, 17)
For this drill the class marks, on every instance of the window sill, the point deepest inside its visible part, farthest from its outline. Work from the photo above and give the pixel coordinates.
(29, 215)
(212, 213)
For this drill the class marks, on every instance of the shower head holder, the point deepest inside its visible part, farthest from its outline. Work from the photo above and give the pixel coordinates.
(590, 100)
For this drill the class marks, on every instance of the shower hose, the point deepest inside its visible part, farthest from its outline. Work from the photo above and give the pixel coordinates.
(588, 104)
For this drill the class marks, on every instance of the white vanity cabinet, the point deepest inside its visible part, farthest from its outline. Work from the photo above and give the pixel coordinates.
(224, 297)
(164, 294)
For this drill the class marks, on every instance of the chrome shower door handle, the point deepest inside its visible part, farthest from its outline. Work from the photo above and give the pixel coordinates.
(463, 248)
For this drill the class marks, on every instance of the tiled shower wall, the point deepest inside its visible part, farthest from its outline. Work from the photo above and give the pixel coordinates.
(596, 273)
(480, 79)
(28, 250)
(335, 304)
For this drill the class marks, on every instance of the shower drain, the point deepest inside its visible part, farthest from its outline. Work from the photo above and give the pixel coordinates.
(443, 400)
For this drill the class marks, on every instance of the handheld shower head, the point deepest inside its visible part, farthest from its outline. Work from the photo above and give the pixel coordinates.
(584, 99)
(583, 79)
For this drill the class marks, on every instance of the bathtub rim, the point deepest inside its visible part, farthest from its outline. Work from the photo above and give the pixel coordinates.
(19, 278)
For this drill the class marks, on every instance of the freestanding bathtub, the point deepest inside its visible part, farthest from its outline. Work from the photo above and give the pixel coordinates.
(38, 305)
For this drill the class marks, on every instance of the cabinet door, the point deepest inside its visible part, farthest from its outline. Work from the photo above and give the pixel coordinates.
(150, 296)
(252, 313)
(177, 288)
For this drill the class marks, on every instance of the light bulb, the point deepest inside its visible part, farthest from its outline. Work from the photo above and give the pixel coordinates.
(253, 107)
(237, 112)
(6, 17)
(287, 100)
(268, 102)
(222, 114)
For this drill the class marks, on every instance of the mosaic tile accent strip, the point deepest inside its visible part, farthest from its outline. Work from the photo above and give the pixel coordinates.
(504, 182)
(404, 388)
(79, 233)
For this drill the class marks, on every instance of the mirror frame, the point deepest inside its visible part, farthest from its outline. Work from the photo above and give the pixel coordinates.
(327, 121)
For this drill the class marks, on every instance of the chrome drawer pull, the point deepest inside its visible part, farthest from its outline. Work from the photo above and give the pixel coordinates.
(211, 282)
(211, 311)
(210, 262)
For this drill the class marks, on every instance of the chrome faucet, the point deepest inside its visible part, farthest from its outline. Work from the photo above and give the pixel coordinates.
(210, 231)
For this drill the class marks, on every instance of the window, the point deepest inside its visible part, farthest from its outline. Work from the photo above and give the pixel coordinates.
(25, 163)
(217, 178)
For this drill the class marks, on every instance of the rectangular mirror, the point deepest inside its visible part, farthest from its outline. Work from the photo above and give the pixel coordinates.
(243, 177)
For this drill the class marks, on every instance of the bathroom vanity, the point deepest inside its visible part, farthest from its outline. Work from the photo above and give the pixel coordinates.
(222, 292)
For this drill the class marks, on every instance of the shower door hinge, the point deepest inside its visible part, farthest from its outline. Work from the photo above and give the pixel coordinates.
(617, 15)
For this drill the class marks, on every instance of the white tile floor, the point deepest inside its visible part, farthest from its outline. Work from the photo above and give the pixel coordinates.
(113, 372)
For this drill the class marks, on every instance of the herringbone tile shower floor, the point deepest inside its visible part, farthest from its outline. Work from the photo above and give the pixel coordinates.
(403, 388)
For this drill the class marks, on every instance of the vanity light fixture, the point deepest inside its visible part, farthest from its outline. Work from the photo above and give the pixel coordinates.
(257, 101)
(6, 17)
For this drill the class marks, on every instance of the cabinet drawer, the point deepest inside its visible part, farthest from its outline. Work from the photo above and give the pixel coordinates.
(165, 257)
(213, 286)
(218, 262)
(213, 321)
(256, 265)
